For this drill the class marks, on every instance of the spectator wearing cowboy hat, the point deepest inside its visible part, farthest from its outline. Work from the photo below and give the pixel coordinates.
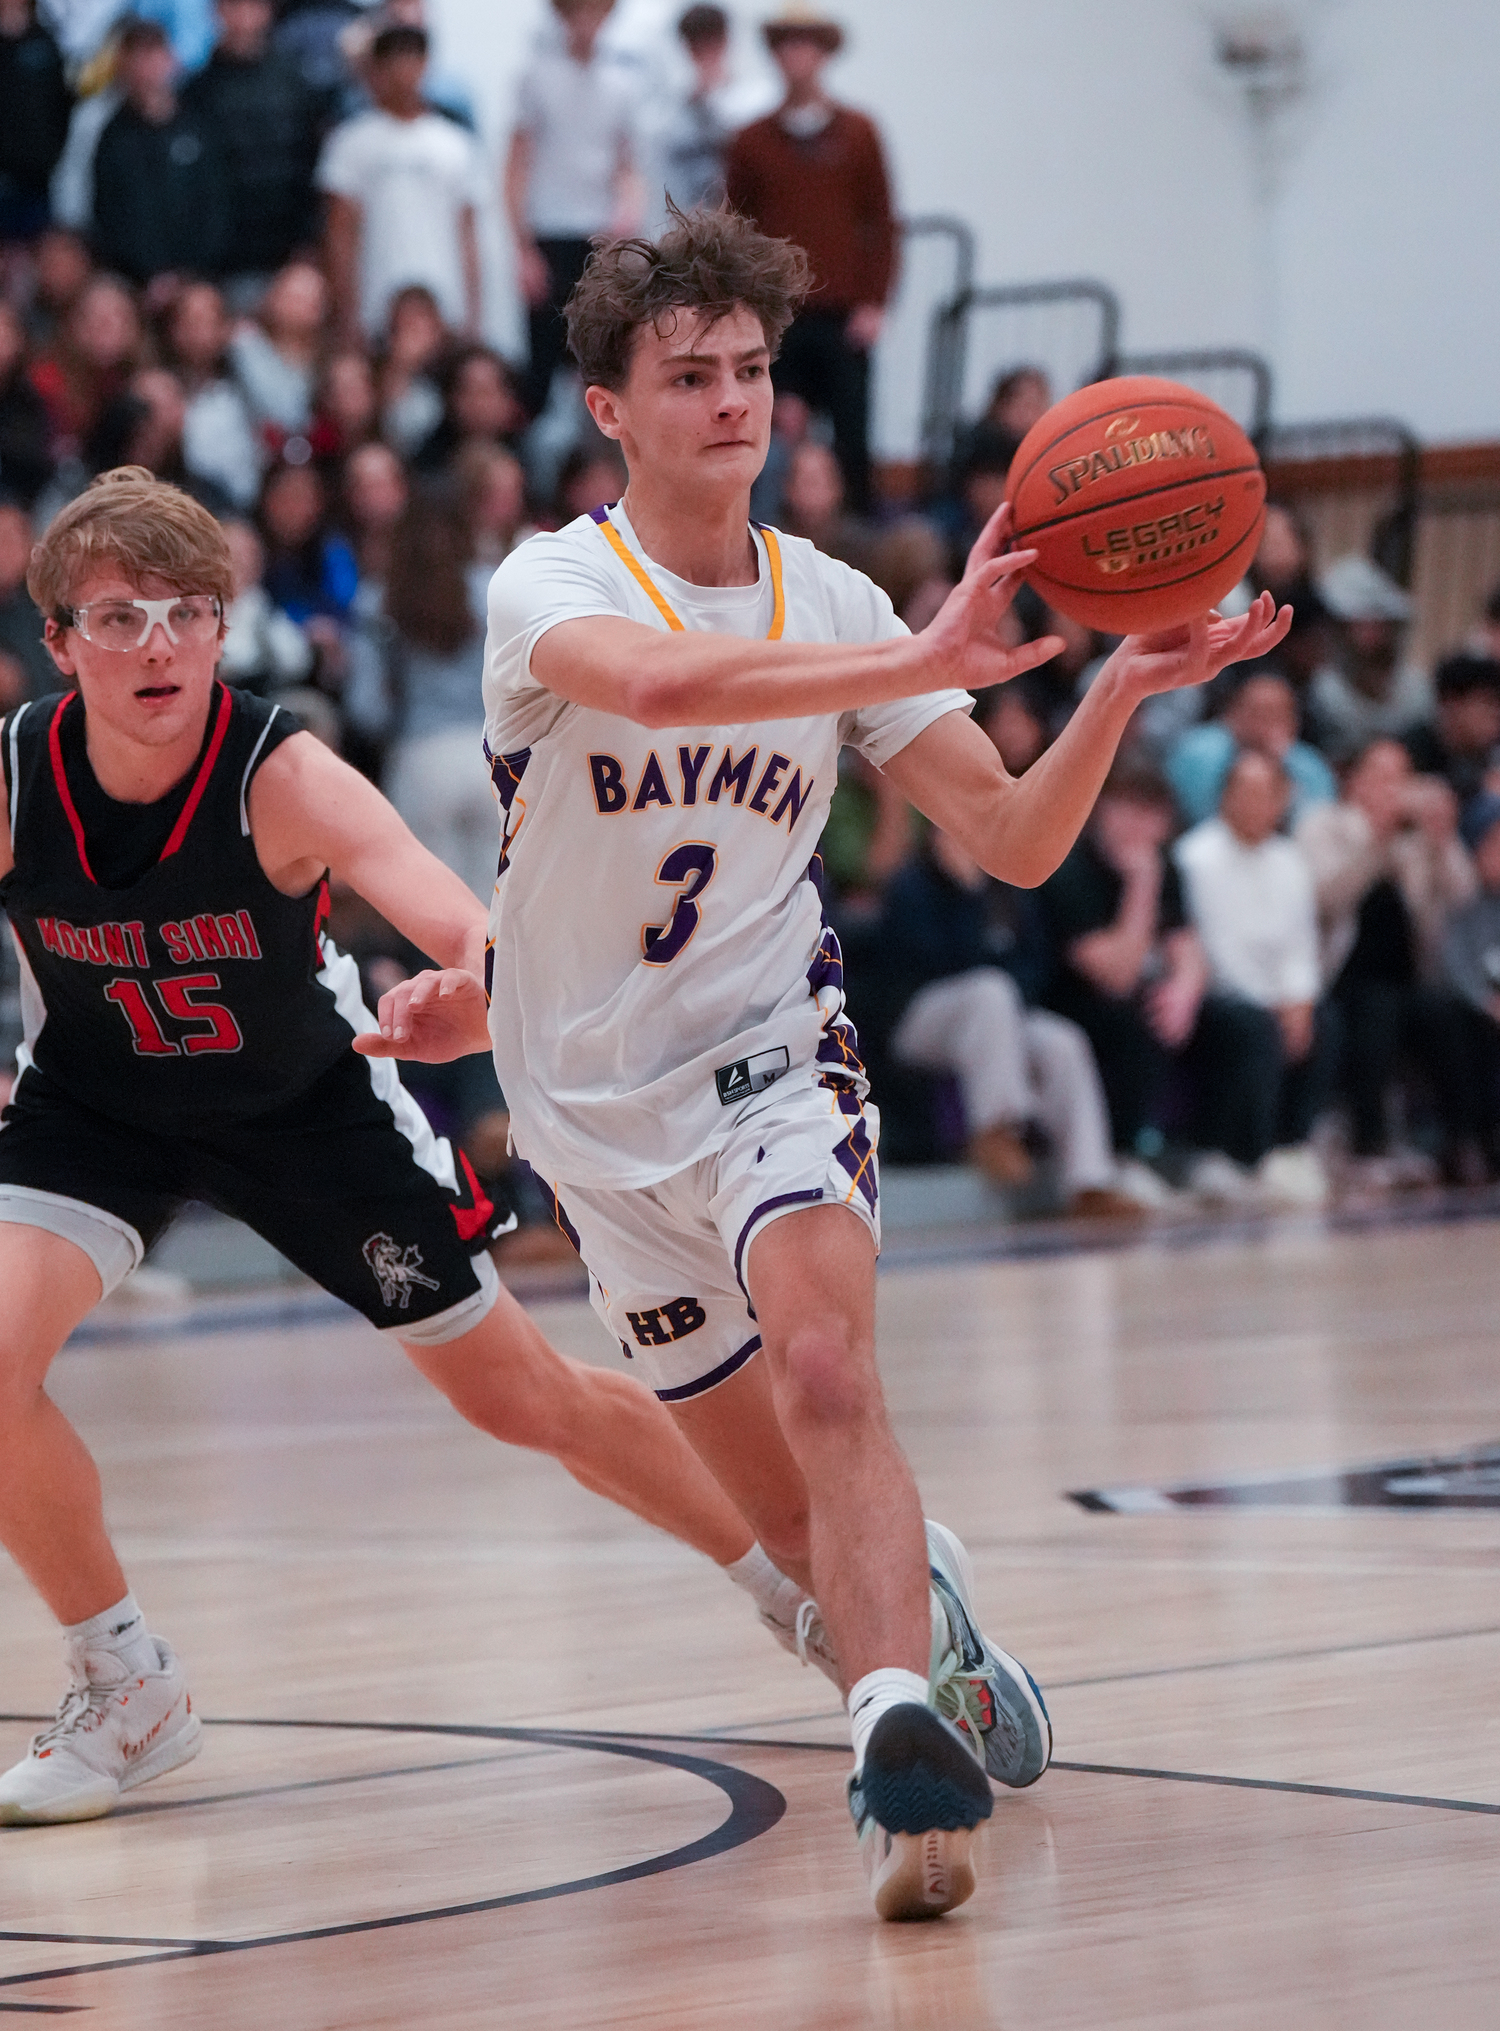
(814, 172)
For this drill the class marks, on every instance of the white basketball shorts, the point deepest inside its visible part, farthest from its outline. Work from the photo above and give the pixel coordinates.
(666, 1261)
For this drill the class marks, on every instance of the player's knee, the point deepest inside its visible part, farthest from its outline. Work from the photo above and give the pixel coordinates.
(824, 1384)
(25, 1357)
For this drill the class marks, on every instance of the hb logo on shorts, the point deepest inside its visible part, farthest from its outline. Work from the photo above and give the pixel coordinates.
(665, 1323)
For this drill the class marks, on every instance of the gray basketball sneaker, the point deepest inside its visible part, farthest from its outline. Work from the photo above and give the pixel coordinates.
(115, 1729)
(990, 1697)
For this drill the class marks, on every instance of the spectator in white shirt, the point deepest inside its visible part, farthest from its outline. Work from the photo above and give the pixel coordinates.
(571, 173)
(403, 184)
(275, 358)
(1250, 897)
(700, 127)
(218, 438)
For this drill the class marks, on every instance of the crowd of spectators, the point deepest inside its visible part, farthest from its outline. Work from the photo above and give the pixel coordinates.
(241, 246)
(1279, 934)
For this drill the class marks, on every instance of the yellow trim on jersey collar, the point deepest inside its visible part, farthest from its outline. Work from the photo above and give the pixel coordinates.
(644, 580)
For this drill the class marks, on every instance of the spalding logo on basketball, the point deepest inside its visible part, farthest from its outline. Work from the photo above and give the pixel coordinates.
(1144, 499)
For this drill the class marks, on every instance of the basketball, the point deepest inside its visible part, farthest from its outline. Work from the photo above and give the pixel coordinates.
(1144, 499)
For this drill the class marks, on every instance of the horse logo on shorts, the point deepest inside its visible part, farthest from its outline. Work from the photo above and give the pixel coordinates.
(397, 1270)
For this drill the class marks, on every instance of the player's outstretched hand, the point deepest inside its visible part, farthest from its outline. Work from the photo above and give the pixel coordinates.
(433, 1017)
(1176, 658)
(963, 635)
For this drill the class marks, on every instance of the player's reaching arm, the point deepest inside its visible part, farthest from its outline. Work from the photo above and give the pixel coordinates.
(697, 678)
(310, 811)
(1020, 830)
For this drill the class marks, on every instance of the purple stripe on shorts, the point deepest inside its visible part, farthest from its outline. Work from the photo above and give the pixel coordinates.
(565, 1225)
(857, 1156)
(714, 1376)
(769, 1206)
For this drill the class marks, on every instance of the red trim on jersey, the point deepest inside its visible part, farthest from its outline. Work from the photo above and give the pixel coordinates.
(185, 817)
(471, 1221)
(60, 777)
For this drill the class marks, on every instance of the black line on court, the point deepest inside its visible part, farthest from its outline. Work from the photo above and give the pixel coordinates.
(1271, 1657)
(90, 1939)
(140, 1808)
(1132, 1770)
(755, 1807)
(151, 1805)
(1280, 1784)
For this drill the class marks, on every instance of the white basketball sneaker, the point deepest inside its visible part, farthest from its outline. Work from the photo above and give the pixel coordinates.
(115, 1729)
(915, 1803)
(796, 1622)
(991, 1698)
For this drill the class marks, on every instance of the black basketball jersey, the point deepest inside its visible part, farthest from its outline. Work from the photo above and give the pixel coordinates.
(195, 993)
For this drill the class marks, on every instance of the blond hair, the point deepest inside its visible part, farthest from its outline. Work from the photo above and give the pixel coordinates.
(146, 527)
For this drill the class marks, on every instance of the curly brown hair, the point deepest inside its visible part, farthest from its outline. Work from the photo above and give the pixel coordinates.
(142, 525)
(708, 262)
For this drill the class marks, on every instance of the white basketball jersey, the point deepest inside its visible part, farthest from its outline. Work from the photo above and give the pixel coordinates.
(658, 953)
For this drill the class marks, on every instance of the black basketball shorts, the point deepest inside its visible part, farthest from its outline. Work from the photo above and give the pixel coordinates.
(347, 1180)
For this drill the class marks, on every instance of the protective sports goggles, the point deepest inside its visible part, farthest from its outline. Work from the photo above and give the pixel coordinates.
(127, 623)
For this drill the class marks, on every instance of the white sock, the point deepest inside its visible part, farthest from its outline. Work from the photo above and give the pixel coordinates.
(770, 1589)
(875, 1694)
(121, 1630)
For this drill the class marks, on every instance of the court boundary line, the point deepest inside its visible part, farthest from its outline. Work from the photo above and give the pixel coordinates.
(1152, 1671)
(1273, 1657)
(615, 1741)
(755, 1807)
(1353, 1793)
(1138, 1770)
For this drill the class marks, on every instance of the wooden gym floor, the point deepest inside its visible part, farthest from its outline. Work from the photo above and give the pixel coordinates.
(481, 1752)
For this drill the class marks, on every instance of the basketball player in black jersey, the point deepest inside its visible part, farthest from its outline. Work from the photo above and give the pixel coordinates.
(165, 845)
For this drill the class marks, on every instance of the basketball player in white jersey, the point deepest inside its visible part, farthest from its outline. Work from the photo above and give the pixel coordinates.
(667, 687)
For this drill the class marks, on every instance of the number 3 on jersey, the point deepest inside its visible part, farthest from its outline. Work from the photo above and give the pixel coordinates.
(176, 996)
(688, 868)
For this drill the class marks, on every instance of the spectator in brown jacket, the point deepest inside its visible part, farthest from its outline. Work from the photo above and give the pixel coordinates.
(813, 172)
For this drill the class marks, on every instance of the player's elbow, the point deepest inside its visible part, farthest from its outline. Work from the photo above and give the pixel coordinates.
(1016, 861)
(1021, 872)
(656, 697)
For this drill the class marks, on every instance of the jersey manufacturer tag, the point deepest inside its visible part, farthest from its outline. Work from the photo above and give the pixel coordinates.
(754, 1074)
